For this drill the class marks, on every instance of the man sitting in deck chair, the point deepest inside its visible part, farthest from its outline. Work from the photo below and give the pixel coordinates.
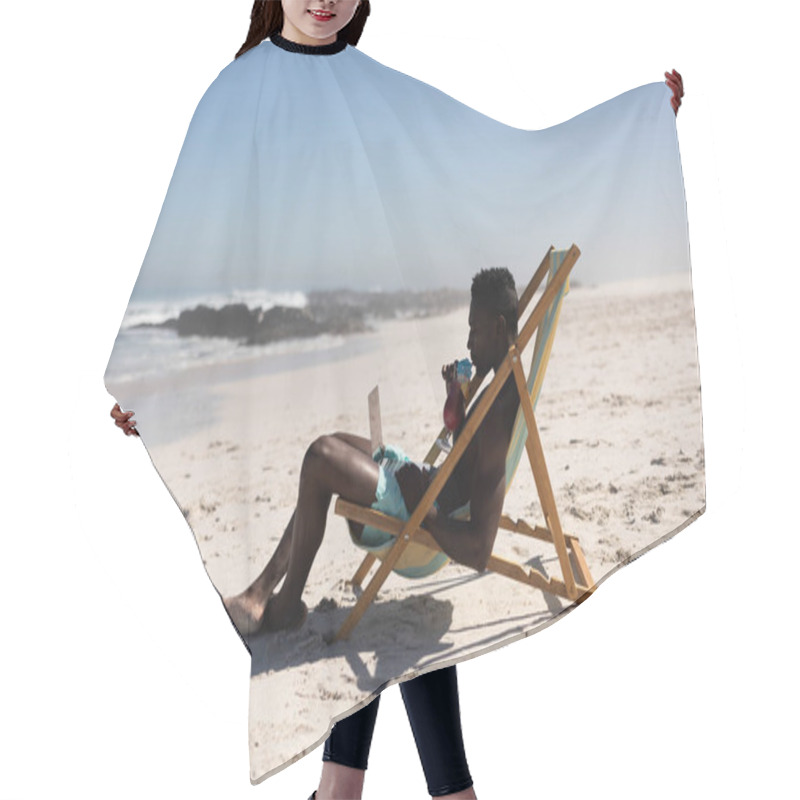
(343, 464)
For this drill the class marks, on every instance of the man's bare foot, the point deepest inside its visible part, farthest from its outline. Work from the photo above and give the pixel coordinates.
(276, 619)
(246, 612)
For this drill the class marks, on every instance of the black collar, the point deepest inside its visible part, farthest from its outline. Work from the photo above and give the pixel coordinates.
(308, 49)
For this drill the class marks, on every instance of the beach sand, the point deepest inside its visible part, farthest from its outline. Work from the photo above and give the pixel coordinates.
(620, 421)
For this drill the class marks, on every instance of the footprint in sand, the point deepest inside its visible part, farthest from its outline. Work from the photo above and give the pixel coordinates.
(654, 516)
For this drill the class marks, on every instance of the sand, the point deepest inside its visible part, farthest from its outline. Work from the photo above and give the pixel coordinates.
(620, 421)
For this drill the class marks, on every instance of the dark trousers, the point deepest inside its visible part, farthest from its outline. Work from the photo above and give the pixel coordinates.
(431, 702)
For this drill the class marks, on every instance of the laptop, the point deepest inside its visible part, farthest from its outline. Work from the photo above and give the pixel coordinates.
(375, 432)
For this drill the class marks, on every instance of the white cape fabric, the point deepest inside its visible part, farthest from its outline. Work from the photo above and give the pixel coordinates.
(319, 237)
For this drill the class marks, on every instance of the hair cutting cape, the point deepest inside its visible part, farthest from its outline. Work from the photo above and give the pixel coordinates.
(319, 238)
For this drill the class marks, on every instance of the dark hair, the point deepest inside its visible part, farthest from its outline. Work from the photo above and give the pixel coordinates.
(266, 19)
(494, 290)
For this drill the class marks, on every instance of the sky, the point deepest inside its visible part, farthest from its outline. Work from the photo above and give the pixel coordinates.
(301, 172)
(120, 674)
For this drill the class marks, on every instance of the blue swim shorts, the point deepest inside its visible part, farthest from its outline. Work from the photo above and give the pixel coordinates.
(388, 497)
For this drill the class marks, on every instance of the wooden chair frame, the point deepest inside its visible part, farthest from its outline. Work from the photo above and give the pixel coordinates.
(576, 582)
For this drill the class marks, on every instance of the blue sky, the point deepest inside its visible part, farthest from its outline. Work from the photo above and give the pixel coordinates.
(308, 172)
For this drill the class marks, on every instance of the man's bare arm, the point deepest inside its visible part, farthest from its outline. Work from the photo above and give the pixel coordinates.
(471, 543)
(459, 539)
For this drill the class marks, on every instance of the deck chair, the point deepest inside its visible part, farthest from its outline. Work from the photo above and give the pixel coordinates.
(576, 582)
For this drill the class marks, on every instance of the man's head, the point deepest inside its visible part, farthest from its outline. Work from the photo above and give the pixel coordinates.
(492, 317)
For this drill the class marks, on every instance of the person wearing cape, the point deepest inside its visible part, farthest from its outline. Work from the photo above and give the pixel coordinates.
(309, 166)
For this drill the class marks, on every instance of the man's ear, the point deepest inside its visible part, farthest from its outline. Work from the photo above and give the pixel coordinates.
(502, 326)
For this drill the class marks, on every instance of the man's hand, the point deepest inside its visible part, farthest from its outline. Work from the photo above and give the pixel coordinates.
(413, 483)
(449, 373)
(123, 420)
(675, 82)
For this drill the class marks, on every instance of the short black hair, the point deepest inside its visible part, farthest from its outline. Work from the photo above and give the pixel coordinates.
(494, 290)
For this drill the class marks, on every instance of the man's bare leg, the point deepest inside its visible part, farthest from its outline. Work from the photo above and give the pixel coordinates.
(359, 442)
(332, 465)
(247, 609)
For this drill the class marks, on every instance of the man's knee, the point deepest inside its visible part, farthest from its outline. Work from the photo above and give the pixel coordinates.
(318, 453)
